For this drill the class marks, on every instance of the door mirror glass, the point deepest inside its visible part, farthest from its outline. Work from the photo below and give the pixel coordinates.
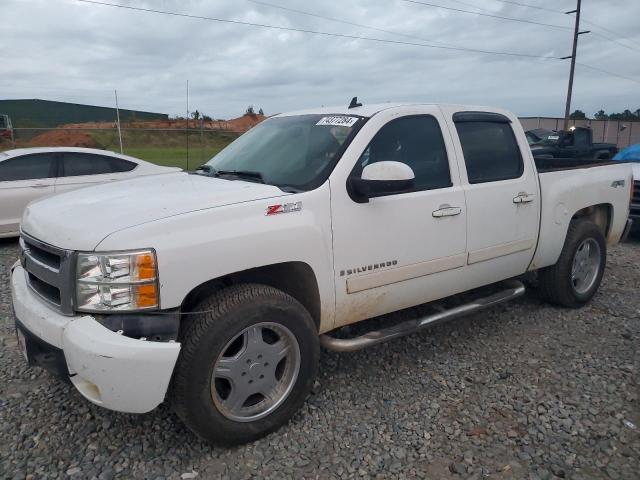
(383, 178)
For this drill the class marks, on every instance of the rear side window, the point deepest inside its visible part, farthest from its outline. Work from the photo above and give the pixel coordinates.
(416, 141)
(120, 165)
(78, 164)
(491, 152)
(28, 167)
(580, 138)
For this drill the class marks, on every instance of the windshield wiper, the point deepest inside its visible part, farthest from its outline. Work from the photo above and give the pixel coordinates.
(239, 173)
(209, 170)
(206, 168)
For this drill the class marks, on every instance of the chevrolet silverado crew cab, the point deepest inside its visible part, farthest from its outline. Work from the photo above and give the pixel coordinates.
(215, 289)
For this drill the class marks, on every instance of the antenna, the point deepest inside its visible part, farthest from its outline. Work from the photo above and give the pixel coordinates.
(354, 103)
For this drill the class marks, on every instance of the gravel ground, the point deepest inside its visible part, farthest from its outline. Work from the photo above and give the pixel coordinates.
(521, 391)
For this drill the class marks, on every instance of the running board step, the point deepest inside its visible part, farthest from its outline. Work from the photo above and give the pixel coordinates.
(515, 289)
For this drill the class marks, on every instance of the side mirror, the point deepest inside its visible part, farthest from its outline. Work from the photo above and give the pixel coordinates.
(382, 178)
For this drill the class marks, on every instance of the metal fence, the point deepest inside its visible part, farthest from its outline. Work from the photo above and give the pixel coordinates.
(620, 132)
(180, 147)
(190, 148)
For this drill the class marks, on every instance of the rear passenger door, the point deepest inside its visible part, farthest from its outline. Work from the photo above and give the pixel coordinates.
(81, 169)
(23, 179)
(502, 195)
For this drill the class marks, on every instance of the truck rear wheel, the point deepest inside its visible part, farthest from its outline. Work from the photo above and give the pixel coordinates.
(246, 365)
(577, 274)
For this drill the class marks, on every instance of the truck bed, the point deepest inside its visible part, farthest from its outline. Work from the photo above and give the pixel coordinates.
(569, 185)
(549, 164)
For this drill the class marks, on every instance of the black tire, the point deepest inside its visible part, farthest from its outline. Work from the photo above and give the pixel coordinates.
(555, 283)
(230, 311)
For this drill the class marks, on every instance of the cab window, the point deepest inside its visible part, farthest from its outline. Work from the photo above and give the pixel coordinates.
(490, 149)
(415, 141)
(28, 167)
(79, 164)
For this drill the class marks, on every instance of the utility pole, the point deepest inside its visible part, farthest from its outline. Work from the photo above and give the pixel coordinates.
(187, 125)
(576, 32)
(118, 117)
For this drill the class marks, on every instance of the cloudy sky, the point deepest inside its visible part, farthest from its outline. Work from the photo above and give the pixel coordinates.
(78, 52)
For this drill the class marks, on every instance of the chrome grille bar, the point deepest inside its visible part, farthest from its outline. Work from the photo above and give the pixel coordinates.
(50, 272)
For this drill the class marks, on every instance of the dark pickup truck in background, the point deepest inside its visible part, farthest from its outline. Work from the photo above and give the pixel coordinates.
(575, 143)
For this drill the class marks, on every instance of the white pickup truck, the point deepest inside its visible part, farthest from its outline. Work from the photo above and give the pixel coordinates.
(215, 289)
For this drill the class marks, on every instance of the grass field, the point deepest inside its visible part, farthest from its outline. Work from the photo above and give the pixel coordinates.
(168, 148)
(172, 156)
(162, 147)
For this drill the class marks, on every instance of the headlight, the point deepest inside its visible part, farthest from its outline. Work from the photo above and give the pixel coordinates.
(117, 281)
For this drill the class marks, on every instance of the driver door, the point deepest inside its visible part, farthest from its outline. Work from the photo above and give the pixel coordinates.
(402, 249)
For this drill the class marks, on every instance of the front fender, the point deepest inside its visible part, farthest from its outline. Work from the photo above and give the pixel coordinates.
(199, 246)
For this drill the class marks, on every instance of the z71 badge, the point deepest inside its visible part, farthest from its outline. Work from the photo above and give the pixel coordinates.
(283, 208)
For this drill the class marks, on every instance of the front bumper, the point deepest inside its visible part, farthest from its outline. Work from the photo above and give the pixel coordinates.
(110, 370)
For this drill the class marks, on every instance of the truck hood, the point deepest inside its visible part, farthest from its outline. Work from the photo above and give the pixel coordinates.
(81, 219)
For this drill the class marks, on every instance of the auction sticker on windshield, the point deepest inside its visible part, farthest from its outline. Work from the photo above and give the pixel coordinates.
(338, 120)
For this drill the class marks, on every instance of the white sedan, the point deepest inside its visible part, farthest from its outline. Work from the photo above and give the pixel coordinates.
(27, 174)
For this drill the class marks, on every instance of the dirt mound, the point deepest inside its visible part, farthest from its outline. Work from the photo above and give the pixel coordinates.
(63, 138)
(236, 125)
(243, 123)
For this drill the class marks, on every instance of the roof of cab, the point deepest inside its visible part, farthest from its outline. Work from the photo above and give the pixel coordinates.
(367, 110)
(363, 111)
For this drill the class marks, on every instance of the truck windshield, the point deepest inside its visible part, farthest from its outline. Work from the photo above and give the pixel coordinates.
(297, 152)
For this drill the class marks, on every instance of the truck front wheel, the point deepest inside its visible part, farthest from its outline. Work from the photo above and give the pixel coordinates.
(248, 361)
(576, 276)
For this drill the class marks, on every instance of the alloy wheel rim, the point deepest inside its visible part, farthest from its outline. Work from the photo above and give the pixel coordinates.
(585, 266)
(255, 372)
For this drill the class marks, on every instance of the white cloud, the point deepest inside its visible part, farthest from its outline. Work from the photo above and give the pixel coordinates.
(70, 51)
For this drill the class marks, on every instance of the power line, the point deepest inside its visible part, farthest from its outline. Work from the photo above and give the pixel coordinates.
(601, 70)
(472, 6)
(593, 24)
(340, 35)
(537, 7)
(607, 30)
(317, 32)
(610, 39)
(347, 22)
(511, 19)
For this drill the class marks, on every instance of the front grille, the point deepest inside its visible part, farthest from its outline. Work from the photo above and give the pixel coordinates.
(49, 272)
(635, 200)
(44, 289)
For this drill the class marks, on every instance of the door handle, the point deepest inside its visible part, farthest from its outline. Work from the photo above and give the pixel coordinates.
(523, 197)
(446, 211)
(39, 185)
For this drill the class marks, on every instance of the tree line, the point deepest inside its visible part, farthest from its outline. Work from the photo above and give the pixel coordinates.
(626, 115)
(197, 115)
